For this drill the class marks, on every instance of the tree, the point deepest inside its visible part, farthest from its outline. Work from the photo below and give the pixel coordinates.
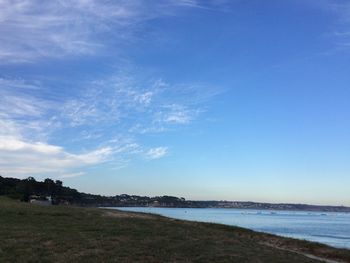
(49, 186)
(59, 183)
(31, 179)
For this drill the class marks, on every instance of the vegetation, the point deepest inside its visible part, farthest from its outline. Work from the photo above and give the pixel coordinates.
(32, 233)
(24, 189)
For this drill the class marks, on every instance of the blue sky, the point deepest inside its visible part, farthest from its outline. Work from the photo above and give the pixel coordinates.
(225, 100)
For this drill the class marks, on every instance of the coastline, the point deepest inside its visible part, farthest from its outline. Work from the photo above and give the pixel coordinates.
(75, 234)
(330, 228)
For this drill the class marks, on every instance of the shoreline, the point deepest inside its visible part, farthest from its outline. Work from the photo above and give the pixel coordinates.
(274, 237)
(76, 234)
(235, 208)
(240, 217)
(284, 243)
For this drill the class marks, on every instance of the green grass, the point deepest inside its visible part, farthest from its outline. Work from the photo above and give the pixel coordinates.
(31, 233)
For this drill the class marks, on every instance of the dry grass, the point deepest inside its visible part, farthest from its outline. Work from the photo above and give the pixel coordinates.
(30, 233)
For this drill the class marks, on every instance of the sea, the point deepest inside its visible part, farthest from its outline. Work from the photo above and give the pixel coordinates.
(330, 228)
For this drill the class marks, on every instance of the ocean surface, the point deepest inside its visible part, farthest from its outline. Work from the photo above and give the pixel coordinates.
(329, 228)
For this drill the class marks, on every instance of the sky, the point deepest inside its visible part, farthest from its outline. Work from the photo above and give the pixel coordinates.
(207, 100)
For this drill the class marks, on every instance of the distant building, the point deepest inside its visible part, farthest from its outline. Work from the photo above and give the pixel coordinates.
(40, 200)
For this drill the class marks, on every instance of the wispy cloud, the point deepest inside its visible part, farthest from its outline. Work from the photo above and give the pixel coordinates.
(341, 26)
(339, 29)
(70, 175)
(20, 158)
(179, 114)
(23, 110)
(137, 106)
(33, 29)
(156, 153)
(105, 116)
(37, 127)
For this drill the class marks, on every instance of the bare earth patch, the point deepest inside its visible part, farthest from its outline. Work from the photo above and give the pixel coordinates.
(304, 254)
(122, 214)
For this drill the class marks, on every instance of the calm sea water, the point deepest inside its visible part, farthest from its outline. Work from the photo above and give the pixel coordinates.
(328, 228)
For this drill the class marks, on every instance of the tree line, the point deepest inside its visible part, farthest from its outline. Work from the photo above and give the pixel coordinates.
(26, 189)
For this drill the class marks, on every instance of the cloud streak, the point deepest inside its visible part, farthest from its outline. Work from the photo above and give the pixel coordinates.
(340, 28)
(20, 158)
(33, 29)
(23, 110)
(136, 105)
(156, 153)
(38, 127)
(106, 117)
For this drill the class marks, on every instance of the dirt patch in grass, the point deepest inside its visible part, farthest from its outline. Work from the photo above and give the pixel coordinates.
(296, 250)
(122, 214)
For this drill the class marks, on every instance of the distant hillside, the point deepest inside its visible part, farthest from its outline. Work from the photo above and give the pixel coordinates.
(25, 189)
(273, 206)
(28, 188)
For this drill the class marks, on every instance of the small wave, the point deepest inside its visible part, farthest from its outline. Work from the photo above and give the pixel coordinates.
(331, 236)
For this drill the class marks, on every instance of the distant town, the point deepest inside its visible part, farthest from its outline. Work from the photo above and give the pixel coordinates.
(50, 192)
(125, 200)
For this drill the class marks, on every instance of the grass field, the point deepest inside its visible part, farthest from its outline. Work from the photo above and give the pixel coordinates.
(31, 233)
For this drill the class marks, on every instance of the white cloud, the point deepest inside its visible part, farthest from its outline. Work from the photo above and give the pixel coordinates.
(144, 129)
(142, 105)
(178, 117)
(34, 29)
(103, 120)
(124, 105)
(339, 28)
(71, 175)
(8, 127)
(144, 98)
(178, 114)
(23, 111)
(16, 98)
(20, 158)
(156, 153)
(24, 105)
(16, 84)
(12, 144)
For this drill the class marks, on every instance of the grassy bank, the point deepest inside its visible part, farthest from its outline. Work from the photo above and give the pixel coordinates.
(30, 233)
